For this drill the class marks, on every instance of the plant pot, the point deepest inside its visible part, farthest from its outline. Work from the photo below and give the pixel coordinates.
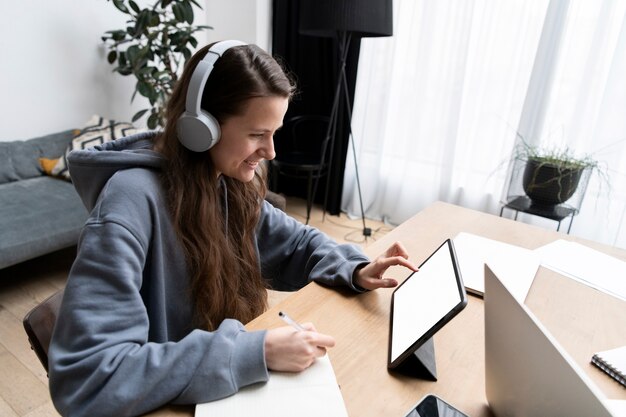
(547, 184)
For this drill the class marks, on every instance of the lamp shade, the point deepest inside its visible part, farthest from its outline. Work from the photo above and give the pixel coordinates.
(363, 18)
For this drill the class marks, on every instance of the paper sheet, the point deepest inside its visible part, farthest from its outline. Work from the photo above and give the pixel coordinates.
(585, 265)
(617, 407)
(514, 265)
(311, 393)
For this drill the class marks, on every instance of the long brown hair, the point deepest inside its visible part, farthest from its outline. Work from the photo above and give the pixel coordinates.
(222, 261)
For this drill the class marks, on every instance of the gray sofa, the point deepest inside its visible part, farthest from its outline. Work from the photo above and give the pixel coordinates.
(39, 214)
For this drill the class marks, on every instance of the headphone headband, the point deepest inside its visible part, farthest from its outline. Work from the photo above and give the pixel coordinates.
(201, 75)
(198, 130)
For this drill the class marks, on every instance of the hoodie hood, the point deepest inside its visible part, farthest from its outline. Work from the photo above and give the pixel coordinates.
(91, 168)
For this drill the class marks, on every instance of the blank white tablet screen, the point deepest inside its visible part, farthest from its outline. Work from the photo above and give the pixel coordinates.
(423, 299)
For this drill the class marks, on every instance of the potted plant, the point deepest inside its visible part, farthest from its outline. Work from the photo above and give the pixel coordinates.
(552, 176)
(153, 47)
(549, 182)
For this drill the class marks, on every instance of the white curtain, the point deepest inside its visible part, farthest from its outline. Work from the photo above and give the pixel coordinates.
(584, 108)
(439, 104)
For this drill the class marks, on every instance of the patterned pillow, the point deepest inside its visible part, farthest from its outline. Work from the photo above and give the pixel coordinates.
(97, 131)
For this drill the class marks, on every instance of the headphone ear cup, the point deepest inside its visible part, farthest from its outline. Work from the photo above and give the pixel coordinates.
(198, 133)
(198, 130)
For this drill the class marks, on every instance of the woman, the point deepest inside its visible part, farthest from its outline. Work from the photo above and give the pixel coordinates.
(180, 248)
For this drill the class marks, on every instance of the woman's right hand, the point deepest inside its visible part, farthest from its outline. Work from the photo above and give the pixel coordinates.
(287, 349)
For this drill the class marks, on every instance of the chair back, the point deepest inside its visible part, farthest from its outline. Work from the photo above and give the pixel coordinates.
(303, 140)
(301, 148)
(39, 323)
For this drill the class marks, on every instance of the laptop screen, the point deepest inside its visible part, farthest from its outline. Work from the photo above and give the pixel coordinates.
(527, 372)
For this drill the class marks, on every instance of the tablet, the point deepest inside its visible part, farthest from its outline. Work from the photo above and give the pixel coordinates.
(424, 303)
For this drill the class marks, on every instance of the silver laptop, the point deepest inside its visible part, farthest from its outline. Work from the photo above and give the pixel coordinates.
(527, 372)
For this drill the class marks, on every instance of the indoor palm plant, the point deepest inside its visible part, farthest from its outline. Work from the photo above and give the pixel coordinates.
(153, 48)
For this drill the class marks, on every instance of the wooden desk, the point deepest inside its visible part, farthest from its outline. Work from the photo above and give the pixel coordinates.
(582, 320)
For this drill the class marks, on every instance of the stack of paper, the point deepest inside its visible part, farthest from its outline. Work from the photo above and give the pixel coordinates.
(514, 265)
(517, 266)
(311, 393)
(585, 265)
(618, 407)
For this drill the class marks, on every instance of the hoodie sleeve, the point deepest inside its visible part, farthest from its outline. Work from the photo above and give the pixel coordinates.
(293, 254)
(102, 361)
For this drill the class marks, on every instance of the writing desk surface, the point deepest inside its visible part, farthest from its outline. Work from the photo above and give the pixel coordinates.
(583, 320)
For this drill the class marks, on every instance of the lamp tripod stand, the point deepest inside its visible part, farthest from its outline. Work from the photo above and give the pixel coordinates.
(342, 97)
(344, 20)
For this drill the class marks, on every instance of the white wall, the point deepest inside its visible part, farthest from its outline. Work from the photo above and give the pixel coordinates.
(53, 69)
(246, 20)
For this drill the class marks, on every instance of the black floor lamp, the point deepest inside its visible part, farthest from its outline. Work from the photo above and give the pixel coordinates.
(345, 20)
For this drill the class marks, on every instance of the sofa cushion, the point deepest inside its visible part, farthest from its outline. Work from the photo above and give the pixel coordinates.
(38, 216)
(97, 131)
(19, 159)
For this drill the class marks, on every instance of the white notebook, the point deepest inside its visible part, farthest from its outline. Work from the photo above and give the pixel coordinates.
(311, 393)
(613, 362)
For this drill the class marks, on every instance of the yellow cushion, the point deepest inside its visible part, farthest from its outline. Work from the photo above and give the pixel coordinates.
(47, 164)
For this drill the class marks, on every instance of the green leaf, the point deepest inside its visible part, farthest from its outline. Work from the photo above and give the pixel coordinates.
(144, 51)
(153, 36)
(139, 65)
(196, 3)
(179, 13)
(112, 56)
(120, 5)
(118, 35)
(138, 115)
(123, 71)
(153, 19)
(175, 38)
(132, 53)
(134, 6)
(147, 70)
(144, 88)
(141, 23)
(187, 12)
(154, 95)
(165, 3)
(153, 121)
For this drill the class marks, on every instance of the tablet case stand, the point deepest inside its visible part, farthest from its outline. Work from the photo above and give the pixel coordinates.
(421, 363)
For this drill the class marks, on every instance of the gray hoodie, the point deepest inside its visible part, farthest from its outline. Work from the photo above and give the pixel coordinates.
(124, 343)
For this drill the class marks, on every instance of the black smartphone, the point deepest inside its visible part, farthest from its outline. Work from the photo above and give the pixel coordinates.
(433, 406)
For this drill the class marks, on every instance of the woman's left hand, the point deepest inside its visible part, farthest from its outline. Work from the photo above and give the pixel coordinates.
(370, 277)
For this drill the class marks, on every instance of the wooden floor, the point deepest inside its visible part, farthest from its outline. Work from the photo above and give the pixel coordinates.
(23, 381)
(340, 228)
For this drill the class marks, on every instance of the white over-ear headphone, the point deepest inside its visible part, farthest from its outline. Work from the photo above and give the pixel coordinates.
(197, 129)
